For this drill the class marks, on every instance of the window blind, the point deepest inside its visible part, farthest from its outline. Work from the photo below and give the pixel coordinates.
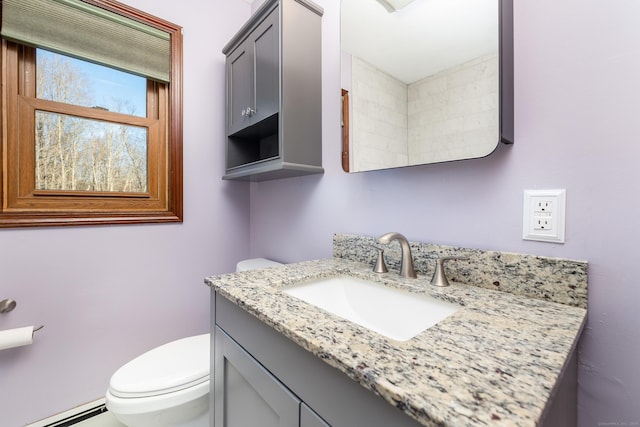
(84, 31)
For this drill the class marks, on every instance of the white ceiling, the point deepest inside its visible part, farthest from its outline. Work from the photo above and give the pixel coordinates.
(422, 38)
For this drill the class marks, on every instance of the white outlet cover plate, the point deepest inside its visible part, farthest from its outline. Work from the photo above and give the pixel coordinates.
(556, 200)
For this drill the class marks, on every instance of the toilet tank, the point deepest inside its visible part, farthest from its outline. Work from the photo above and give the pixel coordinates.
(256, 263)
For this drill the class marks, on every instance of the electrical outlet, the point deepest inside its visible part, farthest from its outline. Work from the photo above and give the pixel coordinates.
(544, 215)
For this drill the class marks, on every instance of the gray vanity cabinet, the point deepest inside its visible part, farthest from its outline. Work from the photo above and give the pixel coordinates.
(274, 93)
(248, 395)
(261, 378)
(308, 418)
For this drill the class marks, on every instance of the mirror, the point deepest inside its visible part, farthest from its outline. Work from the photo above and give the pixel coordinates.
(425, 81)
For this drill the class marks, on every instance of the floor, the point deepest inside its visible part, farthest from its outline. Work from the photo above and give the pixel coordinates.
(106, 419)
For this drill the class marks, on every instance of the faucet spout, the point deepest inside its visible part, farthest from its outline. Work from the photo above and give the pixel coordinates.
(406, 264)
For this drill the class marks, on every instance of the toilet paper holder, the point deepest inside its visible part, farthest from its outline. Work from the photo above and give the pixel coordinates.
(7, 305)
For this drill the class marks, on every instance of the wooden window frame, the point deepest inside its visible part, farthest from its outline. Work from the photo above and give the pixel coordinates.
(23, 205)
(345, 130)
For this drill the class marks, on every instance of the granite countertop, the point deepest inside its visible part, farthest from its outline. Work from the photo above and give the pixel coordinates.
(494, 362)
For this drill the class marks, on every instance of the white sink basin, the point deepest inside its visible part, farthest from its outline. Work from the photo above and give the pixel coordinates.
(394, 313)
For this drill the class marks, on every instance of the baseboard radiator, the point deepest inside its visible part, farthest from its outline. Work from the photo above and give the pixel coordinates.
(73, 416)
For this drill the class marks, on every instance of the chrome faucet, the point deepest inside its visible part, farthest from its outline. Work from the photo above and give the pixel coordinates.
(406, 264)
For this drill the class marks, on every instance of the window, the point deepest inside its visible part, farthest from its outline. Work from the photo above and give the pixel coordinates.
(92, 125)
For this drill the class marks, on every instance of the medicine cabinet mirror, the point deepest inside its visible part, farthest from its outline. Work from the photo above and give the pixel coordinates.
(425, 81)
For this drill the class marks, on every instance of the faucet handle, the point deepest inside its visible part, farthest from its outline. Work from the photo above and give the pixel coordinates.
(380, 266)
(439, 277)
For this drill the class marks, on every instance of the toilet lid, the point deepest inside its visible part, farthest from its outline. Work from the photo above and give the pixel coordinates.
(255, 264)
(171, 367)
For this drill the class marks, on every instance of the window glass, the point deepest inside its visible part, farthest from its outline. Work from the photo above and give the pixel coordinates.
(73, 81)
(77, 154)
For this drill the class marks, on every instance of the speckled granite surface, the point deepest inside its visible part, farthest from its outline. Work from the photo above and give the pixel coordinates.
(551, 279)
(494, 362)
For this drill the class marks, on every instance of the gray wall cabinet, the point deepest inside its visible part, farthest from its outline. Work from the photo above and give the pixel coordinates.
(261, 378)
(274, 93)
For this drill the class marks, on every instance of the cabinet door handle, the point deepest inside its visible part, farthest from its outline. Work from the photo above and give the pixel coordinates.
(248, 112)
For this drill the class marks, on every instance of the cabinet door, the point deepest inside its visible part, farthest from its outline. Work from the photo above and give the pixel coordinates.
(267, 67)
(253, 76)
(239, 87)
(308, 418)
(245, 393)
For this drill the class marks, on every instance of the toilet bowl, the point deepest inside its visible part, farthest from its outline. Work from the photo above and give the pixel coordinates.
(165, 387)
(168, 386)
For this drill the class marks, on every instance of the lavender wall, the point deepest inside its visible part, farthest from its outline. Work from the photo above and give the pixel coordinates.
(577, 109)
(106, 294)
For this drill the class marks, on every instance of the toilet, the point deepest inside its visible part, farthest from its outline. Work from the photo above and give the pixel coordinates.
(168, 386)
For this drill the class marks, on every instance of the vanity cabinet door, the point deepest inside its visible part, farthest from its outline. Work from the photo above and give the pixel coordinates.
(308, 418)
(245, 393)
(253, 73)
